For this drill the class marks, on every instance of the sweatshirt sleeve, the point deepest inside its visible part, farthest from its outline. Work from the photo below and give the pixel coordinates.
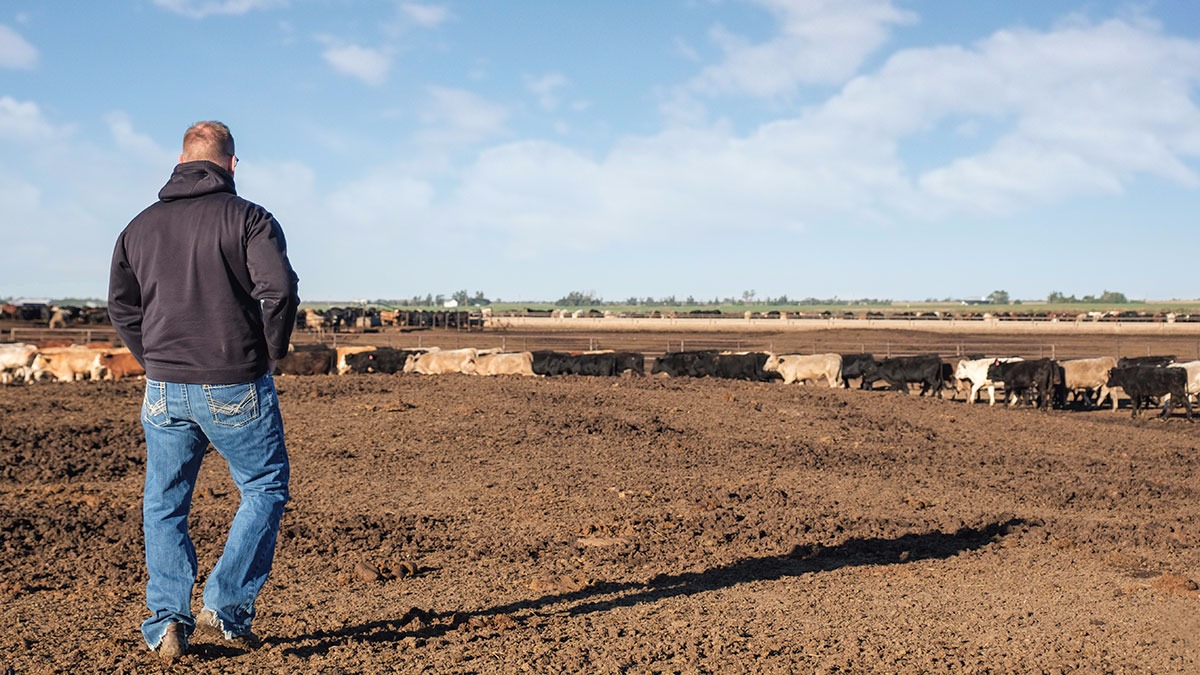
(125, 301)
(275, 283)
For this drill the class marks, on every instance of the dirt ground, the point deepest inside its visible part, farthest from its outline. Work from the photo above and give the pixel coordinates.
(457, 524)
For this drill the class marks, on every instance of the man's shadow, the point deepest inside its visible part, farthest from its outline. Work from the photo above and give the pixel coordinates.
(606, 595)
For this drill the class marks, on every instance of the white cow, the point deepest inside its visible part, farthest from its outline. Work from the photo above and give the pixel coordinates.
(1193, 379)
(976, 372)
(15, 361)
(804, 367)
(444, 361)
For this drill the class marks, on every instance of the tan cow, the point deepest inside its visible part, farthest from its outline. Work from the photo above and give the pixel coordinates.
(444, 361)
(1082, 375)
(505, 363)
(116, 364)
(66, 364)
(805, 367)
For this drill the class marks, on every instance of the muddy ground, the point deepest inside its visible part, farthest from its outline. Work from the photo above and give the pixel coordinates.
(464, 524)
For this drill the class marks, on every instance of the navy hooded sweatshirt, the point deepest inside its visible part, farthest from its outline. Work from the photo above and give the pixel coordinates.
(201, 289)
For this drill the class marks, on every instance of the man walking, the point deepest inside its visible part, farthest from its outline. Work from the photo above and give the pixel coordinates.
(203, 294)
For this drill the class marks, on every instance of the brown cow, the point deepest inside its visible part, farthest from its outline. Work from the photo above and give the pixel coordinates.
(116, 364)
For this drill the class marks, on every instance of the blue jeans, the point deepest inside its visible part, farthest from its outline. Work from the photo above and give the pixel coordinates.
(242, 421)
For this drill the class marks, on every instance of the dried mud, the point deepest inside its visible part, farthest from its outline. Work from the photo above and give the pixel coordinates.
(466, 524)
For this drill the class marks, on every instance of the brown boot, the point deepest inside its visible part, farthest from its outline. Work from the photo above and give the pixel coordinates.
(208, 621)
(173, 644)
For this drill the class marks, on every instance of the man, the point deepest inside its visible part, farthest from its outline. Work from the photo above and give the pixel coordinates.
(203, 294)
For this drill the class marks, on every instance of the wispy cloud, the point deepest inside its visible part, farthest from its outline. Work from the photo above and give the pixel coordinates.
(424, 14)
(457, 117)
(546, 88)
(15, 51)
(199, 9)
(369, 65)
(23, 122)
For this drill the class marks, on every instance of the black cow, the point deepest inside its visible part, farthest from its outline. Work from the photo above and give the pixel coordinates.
(712, 363)
(1126, 361)
(853, 365)
(748, 366)
(630, 361)
(307, 360)
(899, 371)
(1141, 383)
(549, 362)
(594, 364)
(1020, 377)
(379, 360)
(701, 363)
(599, 364)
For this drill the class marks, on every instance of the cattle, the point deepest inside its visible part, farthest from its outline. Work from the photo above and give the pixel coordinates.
(15, 361)
(711, 363)
(65, 364)
(115, 365)
(549, 362)
(743, 366)
(505, 363)
(630, 362)
(593, 363)
(1193, 378)
(307, 360)
(443, 361)
(381, 360)
(1142, 383)
(853, 365)
(976, 372)
(1019, 377)
(898, 372)
(1193, 371)
(1126, 361)
(701, 363)
(806, 367)
(1081, 376)
(343, 352)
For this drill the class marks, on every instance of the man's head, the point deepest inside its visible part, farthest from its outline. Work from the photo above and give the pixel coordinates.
(211, 141)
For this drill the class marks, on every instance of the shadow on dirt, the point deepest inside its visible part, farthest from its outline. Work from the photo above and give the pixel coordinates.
(602, 596)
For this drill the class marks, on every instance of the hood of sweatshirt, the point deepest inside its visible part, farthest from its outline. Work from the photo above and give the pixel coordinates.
(194, 179)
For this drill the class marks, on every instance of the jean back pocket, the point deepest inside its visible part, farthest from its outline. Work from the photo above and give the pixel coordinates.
(232, 405)
(154, 404)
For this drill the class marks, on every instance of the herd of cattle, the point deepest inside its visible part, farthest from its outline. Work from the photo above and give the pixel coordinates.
(1044, 383)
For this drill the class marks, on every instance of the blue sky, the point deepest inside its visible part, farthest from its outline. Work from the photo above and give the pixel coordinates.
(903, 149)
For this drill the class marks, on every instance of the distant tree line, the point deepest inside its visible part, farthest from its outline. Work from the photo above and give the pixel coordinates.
(1106, 298)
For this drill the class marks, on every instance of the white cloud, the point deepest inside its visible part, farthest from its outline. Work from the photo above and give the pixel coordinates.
(819, 42)
(23, 122)
(199, 9)
(1080, 110)
(369, 65)
(545, 88)
(424, 14)
(129, 140)
(15, 51)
